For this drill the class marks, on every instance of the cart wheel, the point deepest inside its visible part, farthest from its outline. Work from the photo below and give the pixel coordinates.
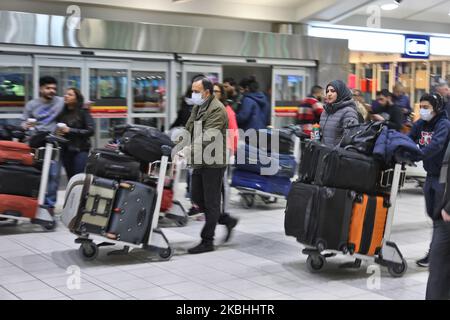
(50, 226)
(344, 249)
(88, 250)
(165, 253)
(398, 270)
(247, 201)
(315, 263)
(181, 222)
(320, 246)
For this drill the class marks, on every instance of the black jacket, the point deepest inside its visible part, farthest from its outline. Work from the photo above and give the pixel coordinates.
(393, 116)
(183, 115)
(81, 127)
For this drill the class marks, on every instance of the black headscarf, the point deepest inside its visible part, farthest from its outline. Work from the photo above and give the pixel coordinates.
(344, 96)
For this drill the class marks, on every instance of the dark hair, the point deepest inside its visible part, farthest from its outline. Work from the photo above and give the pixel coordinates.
(222, 93)
(206, 82)
(435, 99)
(231, 81)
(47, 80)
(385, 93)
(79, 96)
(316, 88)
(250, 83)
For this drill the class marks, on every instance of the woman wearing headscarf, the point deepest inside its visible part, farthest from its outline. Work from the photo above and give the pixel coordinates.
(340, 111)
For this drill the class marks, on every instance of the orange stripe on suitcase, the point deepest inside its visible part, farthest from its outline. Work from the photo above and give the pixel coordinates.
(379, 226)
(26, 207)
(357, 223)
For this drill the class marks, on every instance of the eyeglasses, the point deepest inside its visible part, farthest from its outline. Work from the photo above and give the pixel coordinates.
(217, 91)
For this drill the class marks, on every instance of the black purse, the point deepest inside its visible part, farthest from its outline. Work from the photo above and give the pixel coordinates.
(362, 137)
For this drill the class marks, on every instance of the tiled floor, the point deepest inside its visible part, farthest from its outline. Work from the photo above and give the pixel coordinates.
(259, 263)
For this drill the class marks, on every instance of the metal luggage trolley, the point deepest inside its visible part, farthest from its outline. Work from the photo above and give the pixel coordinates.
(176, 212)
(157, 242)
(389, 255)
(45, 155)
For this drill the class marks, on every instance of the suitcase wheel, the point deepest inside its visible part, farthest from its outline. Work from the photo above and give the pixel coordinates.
(165, 253)
(247, 200)
(49, 226)
(315, 263)
(88, 250)
(398, 270)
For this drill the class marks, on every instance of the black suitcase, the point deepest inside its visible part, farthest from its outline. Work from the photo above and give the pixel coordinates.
(346, 169)
(144, 144)
(310, 158)
(19, 180)
(113, 165)
(319, 216)
(133, 213)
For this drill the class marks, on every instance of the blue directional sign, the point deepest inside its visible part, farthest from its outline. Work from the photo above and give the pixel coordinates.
(417, 46)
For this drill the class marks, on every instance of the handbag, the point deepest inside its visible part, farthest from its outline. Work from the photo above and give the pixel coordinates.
(361, 137)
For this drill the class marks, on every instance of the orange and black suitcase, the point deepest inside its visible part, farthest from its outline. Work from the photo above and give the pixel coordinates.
(367, 224)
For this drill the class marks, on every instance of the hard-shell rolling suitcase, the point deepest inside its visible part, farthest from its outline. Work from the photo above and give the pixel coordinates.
(133, 212)
(18, 206)
(345, 169)
(113, 165)
(367, 225)
(94, 208)
(73, 198)
(319, 216)
(269, 184)
(15, 153)
(19, 180)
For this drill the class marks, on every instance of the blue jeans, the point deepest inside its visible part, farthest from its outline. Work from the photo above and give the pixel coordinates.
(74, 162)
(53, 184)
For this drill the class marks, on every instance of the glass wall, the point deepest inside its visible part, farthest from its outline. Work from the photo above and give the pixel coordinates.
(16, 88)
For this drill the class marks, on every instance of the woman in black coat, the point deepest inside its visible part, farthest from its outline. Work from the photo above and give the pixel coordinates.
(78, 129)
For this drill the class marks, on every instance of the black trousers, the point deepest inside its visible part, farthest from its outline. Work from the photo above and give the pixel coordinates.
(438, 287)
(206, 187)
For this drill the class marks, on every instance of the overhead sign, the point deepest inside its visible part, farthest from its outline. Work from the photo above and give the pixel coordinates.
(417, 46)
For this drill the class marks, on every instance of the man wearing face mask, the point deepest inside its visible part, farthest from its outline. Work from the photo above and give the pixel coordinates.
(432, 134)
(209, 167)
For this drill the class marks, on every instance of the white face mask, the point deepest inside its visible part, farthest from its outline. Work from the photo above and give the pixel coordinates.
(189, 101)
(425, 114)
(197, 98)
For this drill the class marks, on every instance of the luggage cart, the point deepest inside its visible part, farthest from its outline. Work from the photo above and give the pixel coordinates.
(157, 242)
(248, 196)
(176, 211)
(389, 256)
(42, 217)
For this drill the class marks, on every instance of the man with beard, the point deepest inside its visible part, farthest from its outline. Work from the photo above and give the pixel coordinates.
(41, 113)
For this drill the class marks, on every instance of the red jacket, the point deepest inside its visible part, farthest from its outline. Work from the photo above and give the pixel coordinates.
(233, 136)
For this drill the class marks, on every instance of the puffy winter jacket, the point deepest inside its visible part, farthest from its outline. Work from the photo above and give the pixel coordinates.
(433, 138)
(253, 112)
(392, 145)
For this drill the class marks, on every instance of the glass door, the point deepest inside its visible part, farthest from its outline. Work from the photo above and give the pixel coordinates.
(16, 87)
(213, 72)
(108, 91)
(288, 89)
(68, 72)
(149, 94)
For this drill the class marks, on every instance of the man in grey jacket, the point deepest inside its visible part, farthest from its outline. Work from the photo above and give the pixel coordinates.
(340, 111)
(44, 111)
(438, 287)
